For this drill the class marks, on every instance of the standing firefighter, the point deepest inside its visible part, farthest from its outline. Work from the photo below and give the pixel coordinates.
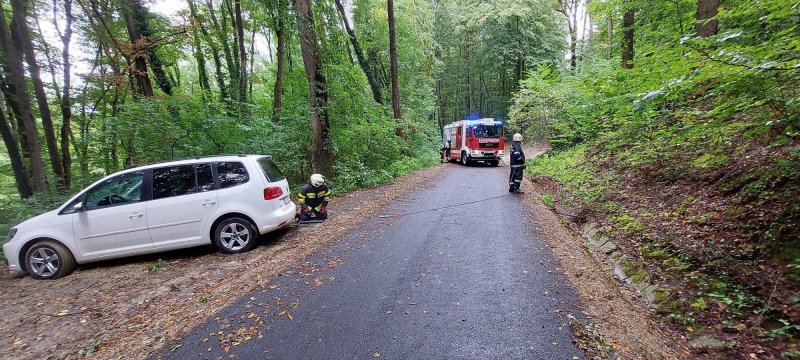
(517, 164)
(314, 198)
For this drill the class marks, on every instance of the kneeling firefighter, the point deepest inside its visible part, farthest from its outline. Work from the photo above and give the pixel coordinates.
(314, 197)
(517, 164)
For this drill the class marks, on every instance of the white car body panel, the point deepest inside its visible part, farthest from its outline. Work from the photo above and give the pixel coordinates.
(180, 220)
(103, 233)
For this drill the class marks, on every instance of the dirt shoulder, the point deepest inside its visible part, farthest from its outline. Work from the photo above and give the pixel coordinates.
(619, 325)
(130, 308)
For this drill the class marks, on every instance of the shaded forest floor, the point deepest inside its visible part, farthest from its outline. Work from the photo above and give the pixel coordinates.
(720, 241)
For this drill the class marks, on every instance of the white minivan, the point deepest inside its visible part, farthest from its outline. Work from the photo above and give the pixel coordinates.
(224, 200)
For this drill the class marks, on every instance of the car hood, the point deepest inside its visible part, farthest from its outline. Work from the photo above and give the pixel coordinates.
(37, 220)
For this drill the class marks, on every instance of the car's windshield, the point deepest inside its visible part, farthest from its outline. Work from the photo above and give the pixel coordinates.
(488, 131)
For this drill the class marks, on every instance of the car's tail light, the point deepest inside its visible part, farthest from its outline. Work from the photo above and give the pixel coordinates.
(272, 193)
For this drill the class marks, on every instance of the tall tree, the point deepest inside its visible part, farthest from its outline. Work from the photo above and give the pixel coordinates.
(221, 30)
(278, 17)
(610, 29)
(17, 165)
(393, 59)
(66, 101)
(199, 55)
(627, 39)
(706, 23)
(21, 102)
(21, 36)
(142, 43)
(362, 61)
(570, 10)
(218, 73)
(242, 53)
(321, 159)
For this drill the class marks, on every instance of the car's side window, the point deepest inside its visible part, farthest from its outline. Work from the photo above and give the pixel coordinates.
(231, 174)
(119, 190)
(205, 178)
(173, 181)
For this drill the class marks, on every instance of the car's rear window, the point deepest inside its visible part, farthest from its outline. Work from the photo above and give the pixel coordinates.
(270, 170)
(231, 174)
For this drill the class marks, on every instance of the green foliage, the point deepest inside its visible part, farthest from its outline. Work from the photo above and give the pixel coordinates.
(693, 153)
(158, 266)
(547, 200)
(568, 168)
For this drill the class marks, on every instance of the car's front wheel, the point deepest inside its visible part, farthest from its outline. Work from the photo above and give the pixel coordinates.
(235, 235)
(47, 260)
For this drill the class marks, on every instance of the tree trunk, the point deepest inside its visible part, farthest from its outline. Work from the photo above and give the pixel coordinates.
(277, 91)
(223, 90)
(321, 160)
(252, 63)
(66, 101)
(242, 54)
(362, 61)
(610, 37)
(21, 36)
(15, 77)
(136, 20)
(198, 50)
(706, 24)
(573, 48)
(393, 57)
(627, 39)
(222, 35)
(235, 71)
(143, 85)
(20, 175)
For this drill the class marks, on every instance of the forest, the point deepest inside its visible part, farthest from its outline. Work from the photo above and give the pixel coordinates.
(347, 89)
(674, 124)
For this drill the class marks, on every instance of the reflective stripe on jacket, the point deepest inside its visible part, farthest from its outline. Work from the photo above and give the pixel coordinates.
(314, 197)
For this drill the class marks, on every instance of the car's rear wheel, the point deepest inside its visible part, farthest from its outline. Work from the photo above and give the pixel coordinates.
(47, 260)
(235, 235)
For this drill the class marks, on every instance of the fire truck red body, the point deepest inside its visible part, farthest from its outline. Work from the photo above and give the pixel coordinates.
(475, 140)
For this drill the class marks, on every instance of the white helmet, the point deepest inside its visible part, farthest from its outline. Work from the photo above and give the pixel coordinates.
(317, 180)
(517, 137)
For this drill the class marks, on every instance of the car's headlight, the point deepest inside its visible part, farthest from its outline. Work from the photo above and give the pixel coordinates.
(11, 233)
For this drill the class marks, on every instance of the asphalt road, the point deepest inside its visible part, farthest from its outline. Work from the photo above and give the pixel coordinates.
(457, 271)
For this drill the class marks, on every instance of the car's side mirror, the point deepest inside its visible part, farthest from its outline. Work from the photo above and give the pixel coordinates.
(78, 207)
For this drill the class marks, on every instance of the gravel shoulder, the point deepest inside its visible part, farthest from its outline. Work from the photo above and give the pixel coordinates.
(619, 325)
(130, 308)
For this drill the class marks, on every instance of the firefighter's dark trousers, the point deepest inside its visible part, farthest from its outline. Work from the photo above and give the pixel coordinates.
(313, 215)
(515, 178)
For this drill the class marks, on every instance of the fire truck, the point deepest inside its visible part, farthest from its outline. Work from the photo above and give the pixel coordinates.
(475, 140)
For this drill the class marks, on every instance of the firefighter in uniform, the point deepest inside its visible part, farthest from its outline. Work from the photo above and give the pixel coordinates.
(445, 150)
(517, 164)
(314, 197)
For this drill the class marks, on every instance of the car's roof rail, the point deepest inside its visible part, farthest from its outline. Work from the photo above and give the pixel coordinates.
(187, 158)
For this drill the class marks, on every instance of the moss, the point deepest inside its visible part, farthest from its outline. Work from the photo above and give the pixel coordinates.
(640, 276)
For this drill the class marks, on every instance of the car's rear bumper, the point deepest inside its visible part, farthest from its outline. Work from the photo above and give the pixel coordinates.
(278, 218)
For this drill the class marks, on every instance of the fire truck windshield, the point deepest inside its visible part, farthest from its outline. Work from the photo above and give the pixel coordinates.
(488, 131)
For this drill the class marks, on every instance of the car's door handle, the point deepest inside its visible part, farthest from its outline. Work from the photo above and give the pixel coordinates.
(209, 203)
(135, 215)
